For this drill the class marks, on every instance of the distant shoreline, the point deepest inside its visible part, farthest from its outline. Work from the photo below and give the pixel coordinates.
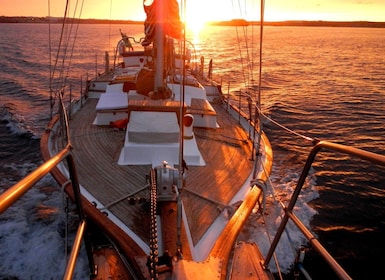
(235, 22)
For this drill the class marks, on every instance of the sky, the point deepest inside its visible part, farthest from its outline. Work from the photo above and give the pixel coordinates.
(205, 10)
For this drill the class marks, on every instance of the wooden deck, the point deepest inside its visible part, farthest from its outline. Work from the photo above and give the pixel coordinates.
(246, 264)
(208, 189)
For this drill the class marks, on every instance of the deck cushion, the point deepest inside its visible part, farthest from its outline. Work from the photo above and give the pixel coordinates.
(153, 127)
(112, 101)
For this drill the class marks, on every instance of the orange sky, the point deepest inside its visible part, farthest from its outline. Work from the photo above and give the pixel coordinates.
(203, 10)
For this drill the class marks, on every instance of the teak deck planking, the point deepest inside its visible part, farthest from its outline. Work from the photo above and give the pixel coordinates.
(208, 189)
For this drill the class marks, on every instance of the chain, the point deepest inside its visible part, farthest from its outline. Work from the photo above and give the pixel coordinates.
(153, 232)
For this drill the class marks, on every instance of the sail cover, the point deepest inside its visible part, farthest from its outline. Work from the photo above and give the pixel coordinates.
(172, 25)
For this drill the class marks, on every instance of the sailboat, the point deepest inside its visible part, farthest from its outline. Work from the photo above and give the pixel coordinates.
(164, 170)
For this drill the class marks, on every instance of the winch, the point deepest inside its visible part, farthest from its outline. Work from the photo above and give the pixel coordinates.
(166, 182)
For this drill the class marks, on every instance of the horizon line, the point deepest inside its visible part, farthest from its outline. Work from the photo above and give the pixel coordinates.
(235, 21)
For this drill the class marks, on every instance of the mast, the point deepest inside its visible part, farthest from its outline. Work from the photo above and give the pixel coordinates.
(159, 45)
(162, 20)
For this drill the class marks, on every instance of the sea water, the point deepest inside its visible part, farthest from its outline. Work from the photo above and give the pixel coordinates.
(321, 82)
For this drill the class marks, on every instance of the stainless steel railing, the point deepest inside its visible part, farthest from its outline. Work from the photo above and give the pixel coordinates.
(10, 196)
(321, 145)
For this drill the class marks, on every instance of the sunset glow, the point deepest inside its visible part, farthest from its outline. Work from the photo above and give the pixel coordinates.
(201, 11)
(195, 23)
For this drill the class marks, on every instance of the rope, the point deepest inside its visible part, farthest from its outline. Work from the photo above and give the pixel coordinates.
(220, 204)
(262, 185)
(259, 111)
(217, 137)
(307, 138)
(123, 198)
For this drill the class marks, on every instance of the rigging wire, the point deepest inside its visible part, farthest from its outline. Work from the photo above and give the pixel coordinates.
(50, 60)
(110, 25)
(307, 138)
(63, 46)
(53, 70)
(239, 49)
(64, 70)
(247, 75)
(181, 138)
(258, 103)
(60, 83)
(260, 123)
(64, 77)
(249, 80)
(259, 114)
(75, 36)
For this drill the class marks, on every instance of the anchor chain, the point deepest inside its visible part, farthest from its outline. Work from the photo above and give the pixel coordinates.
(153, 259)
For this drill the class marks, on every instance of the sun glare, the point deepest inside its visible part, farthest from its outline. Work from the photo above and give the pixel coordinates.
(196, 18)
(195, 25)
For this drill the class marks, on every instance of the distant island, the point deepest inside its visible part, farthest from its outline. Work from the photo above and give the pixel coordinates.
(234, 22)
(20, 19)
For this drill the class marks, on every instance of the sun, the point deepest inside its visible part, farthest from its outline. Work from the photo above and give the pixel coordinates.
(195, 17)
(195, 25)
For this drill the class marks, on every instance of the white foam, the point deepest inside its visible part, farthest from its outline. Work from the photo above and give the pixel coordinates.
(31, 246)
(262, 229)
(16, 123)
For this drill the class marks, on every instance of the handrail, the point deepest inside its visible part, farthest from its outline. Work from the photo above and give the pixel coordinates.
(365, 155)
(10, 196)
(75, 251)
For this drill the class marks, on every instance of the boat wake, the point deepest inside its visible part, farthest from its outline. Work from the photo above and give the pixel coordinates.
(13, 122)
(33, 231)
(262, 226)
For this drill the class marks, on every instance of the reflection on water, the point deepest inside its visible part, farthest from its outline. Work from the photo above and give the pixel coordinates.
(325, 83)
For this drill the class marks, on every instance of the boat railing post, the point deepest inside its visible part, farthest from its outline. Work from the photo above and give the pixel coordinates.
(291, 205)
(87, 85)
(75, 251)
(70, 103)
(78, 202)
(239, 105)
(228, 96)
(96, 65)
(318, 247)
(84, 91)
(81, 91)
(319, 145)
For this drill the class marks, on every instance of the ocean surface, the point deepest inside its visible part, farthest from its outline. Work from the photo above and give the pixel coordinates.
(321, 82)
